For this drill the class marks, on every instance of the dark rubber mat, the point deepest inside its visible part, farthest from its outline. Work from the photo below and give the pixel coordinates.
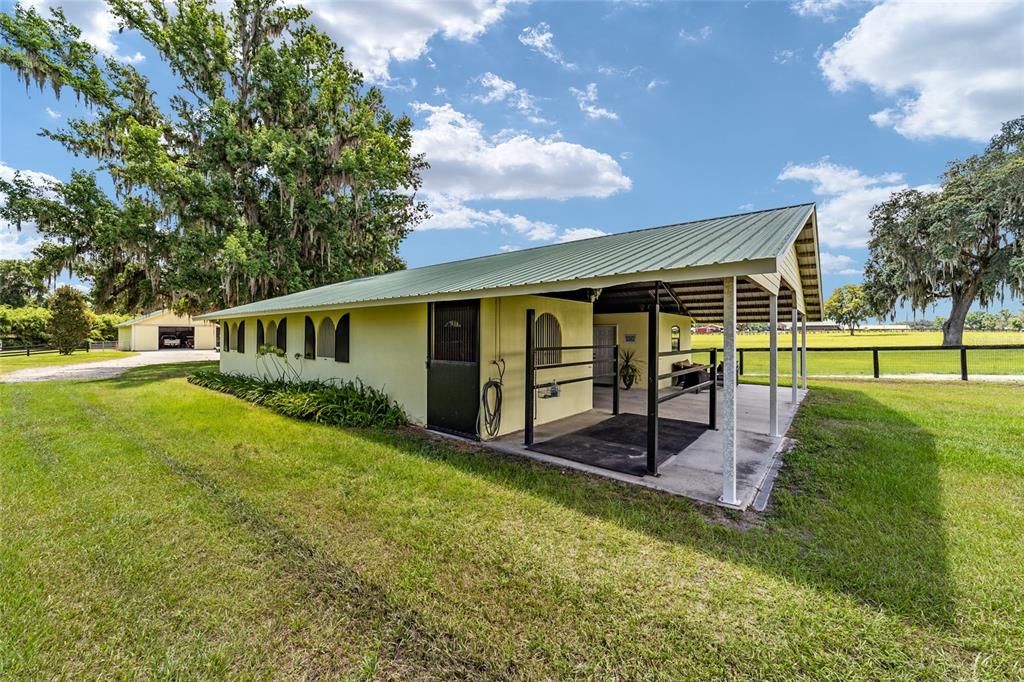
(620, 443)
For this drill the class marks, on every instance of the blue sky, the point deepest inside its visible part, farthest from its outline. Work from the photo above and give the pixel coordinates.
(547, 121)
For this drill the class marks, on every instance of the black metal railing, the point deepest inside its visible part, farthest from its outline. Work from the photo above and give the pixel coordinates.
(532, 385)
(710, 383)
(963, 361)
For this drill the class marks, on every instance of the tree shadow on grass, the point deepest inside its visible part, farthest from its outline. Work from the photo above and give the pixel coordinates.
(857, 507)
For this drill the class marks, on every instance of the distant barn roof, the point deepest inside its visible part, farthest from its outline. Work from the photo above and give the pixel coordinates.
(744, 244)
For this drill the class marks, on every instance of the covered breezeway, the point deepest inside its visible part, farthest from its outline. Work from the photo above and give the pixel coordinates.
(709, 438)
(696, 470)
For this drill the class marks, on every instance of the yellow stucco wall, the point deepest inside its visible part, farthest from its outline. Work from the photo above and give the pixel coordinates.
(124, 338)
(145, 337)
(206, 337)
(388, 350)
(636, 324)
(503, 335)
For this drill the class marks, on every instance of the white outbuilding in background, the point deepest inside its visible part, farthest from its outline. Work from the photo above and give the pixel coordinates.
(165, 330)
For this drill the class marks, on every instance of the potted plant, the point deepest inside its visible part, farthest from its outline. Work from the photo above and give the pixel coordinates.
(629, 371)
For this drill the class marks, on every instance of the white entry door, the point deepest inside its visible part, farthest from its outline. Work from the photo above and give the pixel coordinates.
(604, 358)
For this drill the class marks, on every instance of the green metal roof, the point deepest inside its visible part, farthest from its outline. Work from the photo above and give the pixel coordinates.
(141, 318)
(732, 239)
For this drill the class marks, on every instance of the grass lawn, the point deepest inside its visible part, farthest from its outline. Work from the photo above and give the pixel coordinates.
(859, 363)
(156, 529)
(11, 364)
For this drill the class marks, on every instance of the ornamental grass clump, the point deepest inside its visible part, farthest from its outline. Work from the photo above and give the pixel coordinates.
(339, 403)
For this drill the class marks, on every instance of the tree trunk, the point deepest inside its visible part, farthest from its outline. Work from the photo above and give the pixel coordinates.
(953, 328)
(851, 330)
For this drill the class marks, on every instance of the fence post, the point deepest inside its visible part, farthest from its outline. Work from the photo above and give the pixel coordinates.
(740, 351)
(615, 381)
(28, 351)
(711, 395)
(963, 362)
(874, 360)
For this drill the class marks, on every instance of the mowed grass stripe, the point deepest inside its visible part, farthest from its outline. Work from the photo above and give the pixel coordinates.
(420, 482)
(528, 572)
(168, 574)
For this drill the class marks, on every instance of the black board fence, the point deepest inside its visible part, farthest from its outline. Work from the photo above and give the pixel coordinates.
(28, 351)
(877, 361)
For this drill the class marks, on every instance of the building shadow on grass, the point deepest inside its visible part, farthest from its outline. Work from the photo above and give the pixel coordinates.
(857, 507)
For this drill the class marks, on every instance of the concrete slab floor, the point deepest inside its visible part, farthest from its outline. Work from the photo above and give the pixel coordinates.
(696, 471)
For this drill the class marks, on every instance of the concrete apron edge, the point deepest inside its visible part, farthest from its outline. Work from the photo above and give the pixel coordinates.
(652, 483)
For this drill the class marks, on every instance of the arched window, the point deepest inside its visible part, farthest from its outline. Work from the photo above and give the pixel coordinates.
(282, 334)
(341, 340)
(240, 346)
(272, 333)
(226, 335)
(309, 352)
(261, 340)
(674, 337)
(547, 333)
(325, 339)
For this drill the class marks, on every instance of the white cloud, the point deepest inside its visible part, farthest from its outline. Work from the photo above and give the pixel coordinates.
(697, 36)
(786, 56)
(617, 72)
(14, 243)
(848, 195)
(838, 264)
(746, 207)
(656, 83)
(440, 92)
(540, 39)
(18, 245)
(449, 213)
(576, 233)
(950, 69)
(466, 164)
(626, 156)
(587, 99)
(374, 34)
(501, 90)
(51, 113)
(823, 9)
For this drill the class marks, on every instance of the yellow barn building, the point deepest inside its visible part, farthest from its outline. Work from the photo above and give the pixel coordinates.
(551, 324)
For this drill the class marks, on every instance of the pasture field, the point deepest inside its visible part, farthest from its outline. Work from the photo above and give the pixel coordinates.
(156, 529)
(859, 363)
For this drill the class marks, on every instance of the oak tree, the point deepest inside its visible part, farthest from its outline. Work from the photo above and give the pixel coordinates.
(270, 168)
(964, 242)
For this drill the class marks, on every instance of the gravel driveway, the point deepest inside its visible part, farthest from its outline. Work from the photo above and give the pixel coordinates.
(105, 369)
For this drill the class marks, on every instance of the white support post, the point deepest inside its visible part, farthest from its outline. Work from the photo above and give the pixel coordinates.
(729, 394)
(803, 352)
(796, 377)
(773, 365)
